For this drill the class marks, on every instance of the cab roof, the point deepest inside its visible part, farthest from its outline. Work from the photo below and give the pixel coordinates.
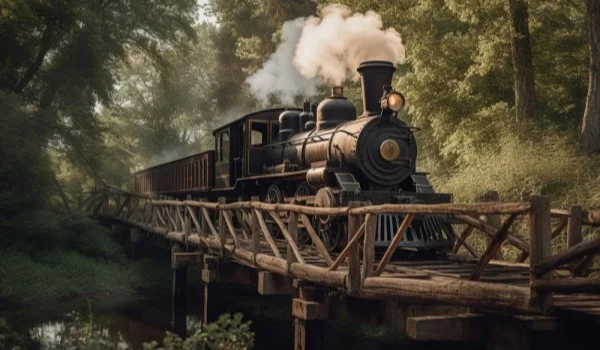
(246, 116)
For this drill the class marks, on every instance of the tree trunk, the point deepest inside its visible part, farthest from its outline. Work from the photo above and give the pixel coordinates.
(522, 59)
(45, 44)
(591, 118)
(61, 193)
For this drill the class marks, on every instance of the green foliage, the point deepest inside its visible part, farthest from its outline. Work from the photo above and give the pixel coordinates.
(77, 331)
(24, 169)
(458, 84)
(10, 340)
(59, 62)
(227, 333)
(247, 35)
(48, 255)
(531, 159)
(161, 113)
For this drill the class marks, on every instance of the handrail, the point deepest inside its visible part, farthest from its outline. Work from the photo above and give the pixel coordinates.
(212, 225)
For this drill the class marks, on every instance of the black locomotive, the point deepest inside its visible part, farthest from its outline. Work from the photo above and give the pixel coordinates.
(324, 157)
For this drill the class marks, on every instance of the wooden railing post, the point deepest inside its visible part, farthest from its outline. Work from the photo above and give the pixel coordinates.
(293, 230)
(540, 238)
(153, 210)
(203, 224)
(353, 279)
(574, 237)
(255, 230)
(369, 246)
(188, 224)
(222, 226)
(493, 220)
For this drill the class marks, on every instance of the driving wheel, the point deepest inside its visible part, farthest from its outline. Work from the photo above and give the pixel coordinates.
(303, 236)
(274, 195)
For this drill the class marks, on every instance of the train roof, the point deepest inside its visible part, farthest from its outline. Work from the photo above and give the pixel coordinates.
(158, 165)
(235, 121)
(244, 117)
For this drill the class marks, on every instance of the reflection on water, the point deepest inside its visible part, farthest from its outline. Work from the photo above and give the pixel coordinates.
(58, 335)
(115, 329)
(130, 328)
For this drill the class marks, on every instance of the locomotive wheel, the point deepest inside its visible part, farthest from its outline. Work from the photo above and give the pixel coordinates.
(331, 235)
(303, 236)
(325, 198)
(274, 195)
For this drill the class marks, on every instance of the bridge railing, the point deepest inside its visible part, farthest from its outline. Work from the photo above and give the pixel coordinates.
(266, 236)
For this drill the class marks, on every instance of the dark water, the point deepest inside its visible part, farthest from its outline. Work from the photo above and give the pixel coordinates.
(130, 328)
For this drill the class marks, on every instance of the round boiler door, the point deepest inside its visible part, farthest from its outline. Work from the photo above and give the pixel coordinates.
(389, 150)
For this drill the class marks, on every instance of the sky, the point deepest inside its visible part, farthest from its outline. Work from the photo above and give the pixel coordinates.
(200, 16)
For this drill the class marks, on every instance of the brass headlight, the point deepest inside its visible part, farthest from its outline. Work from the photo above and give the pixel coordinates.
(395, 101)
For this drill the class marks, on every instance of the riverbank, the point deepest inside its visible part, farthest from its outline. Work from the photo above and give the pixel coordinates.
(131, 327)
(49, 257)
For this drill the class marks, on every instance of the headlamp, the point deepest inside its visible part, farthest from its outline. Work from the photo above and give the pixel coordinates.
(395, 101)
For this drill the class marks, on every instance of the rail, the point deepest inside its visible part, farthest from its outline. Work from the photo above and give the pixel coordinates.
(265, 236)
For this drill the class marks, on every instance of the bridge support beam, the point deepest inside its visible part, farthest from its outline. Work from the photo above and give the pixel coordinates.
(309, 311)
(214, 298)
(136, 240)
(179, 302)
(179, 292)
(273, 284)
(522, 333)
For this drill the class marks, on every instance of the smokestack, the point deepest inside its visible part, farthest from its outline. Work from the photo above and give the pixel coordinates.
(373, 76)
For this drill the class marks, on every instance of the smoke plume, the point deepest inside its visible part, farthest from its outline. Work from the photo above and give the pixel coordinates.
(333, 45)
(278, 76)
(327, 48)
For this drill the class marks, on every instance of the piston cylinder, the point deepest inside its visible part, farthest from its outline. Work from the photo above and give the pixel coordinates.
(317, 177)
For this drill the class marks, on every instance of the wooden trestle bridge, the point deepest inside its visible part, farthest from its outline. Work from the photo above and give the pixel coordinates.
(467, 295)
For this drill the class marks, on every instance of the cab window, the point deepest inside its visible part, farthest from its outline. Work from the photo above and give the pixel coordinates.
(274, 131)
(258, 134)
(223, 147)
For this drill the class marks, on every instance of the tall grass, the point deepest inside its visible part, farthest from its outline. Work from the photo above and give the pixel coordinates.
(56, 256)
(530, 158)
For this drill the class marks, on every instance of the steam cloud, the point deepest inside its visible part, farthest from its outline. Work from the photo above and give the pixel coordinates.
(333, 45)
(328, 49)
(278, 76)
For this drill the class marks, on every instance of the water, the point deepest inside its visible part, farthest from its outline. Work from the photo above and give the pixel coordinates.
(133, 326)
(130, 328)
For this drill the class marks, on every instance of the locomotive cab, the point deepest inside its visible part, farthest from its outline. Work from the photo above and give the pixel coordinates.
(240, 145)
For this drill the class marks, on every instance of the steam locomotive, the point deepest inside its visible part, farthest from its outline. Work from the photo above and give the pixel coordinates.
(325, 157)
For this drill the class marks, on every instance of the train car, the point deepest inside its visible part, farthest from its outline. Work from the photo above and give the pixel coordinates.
(326, 156)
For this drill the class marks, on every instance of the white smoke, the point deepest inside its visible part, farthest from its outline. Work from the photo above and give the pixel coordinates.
(278, 76)
(327, 48)
(333, 45)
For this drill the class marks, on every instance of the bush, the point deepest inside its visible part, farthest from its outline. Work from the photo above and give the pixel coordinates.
(227, 333)
(51, 255)
(11, 340)
(530, 159)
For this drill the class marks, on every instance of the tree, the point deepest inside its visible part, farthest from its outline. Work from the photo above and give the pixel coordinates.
(522, 58)
(591, 117)
(60, 60)
(246, 37)
(161, 113)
